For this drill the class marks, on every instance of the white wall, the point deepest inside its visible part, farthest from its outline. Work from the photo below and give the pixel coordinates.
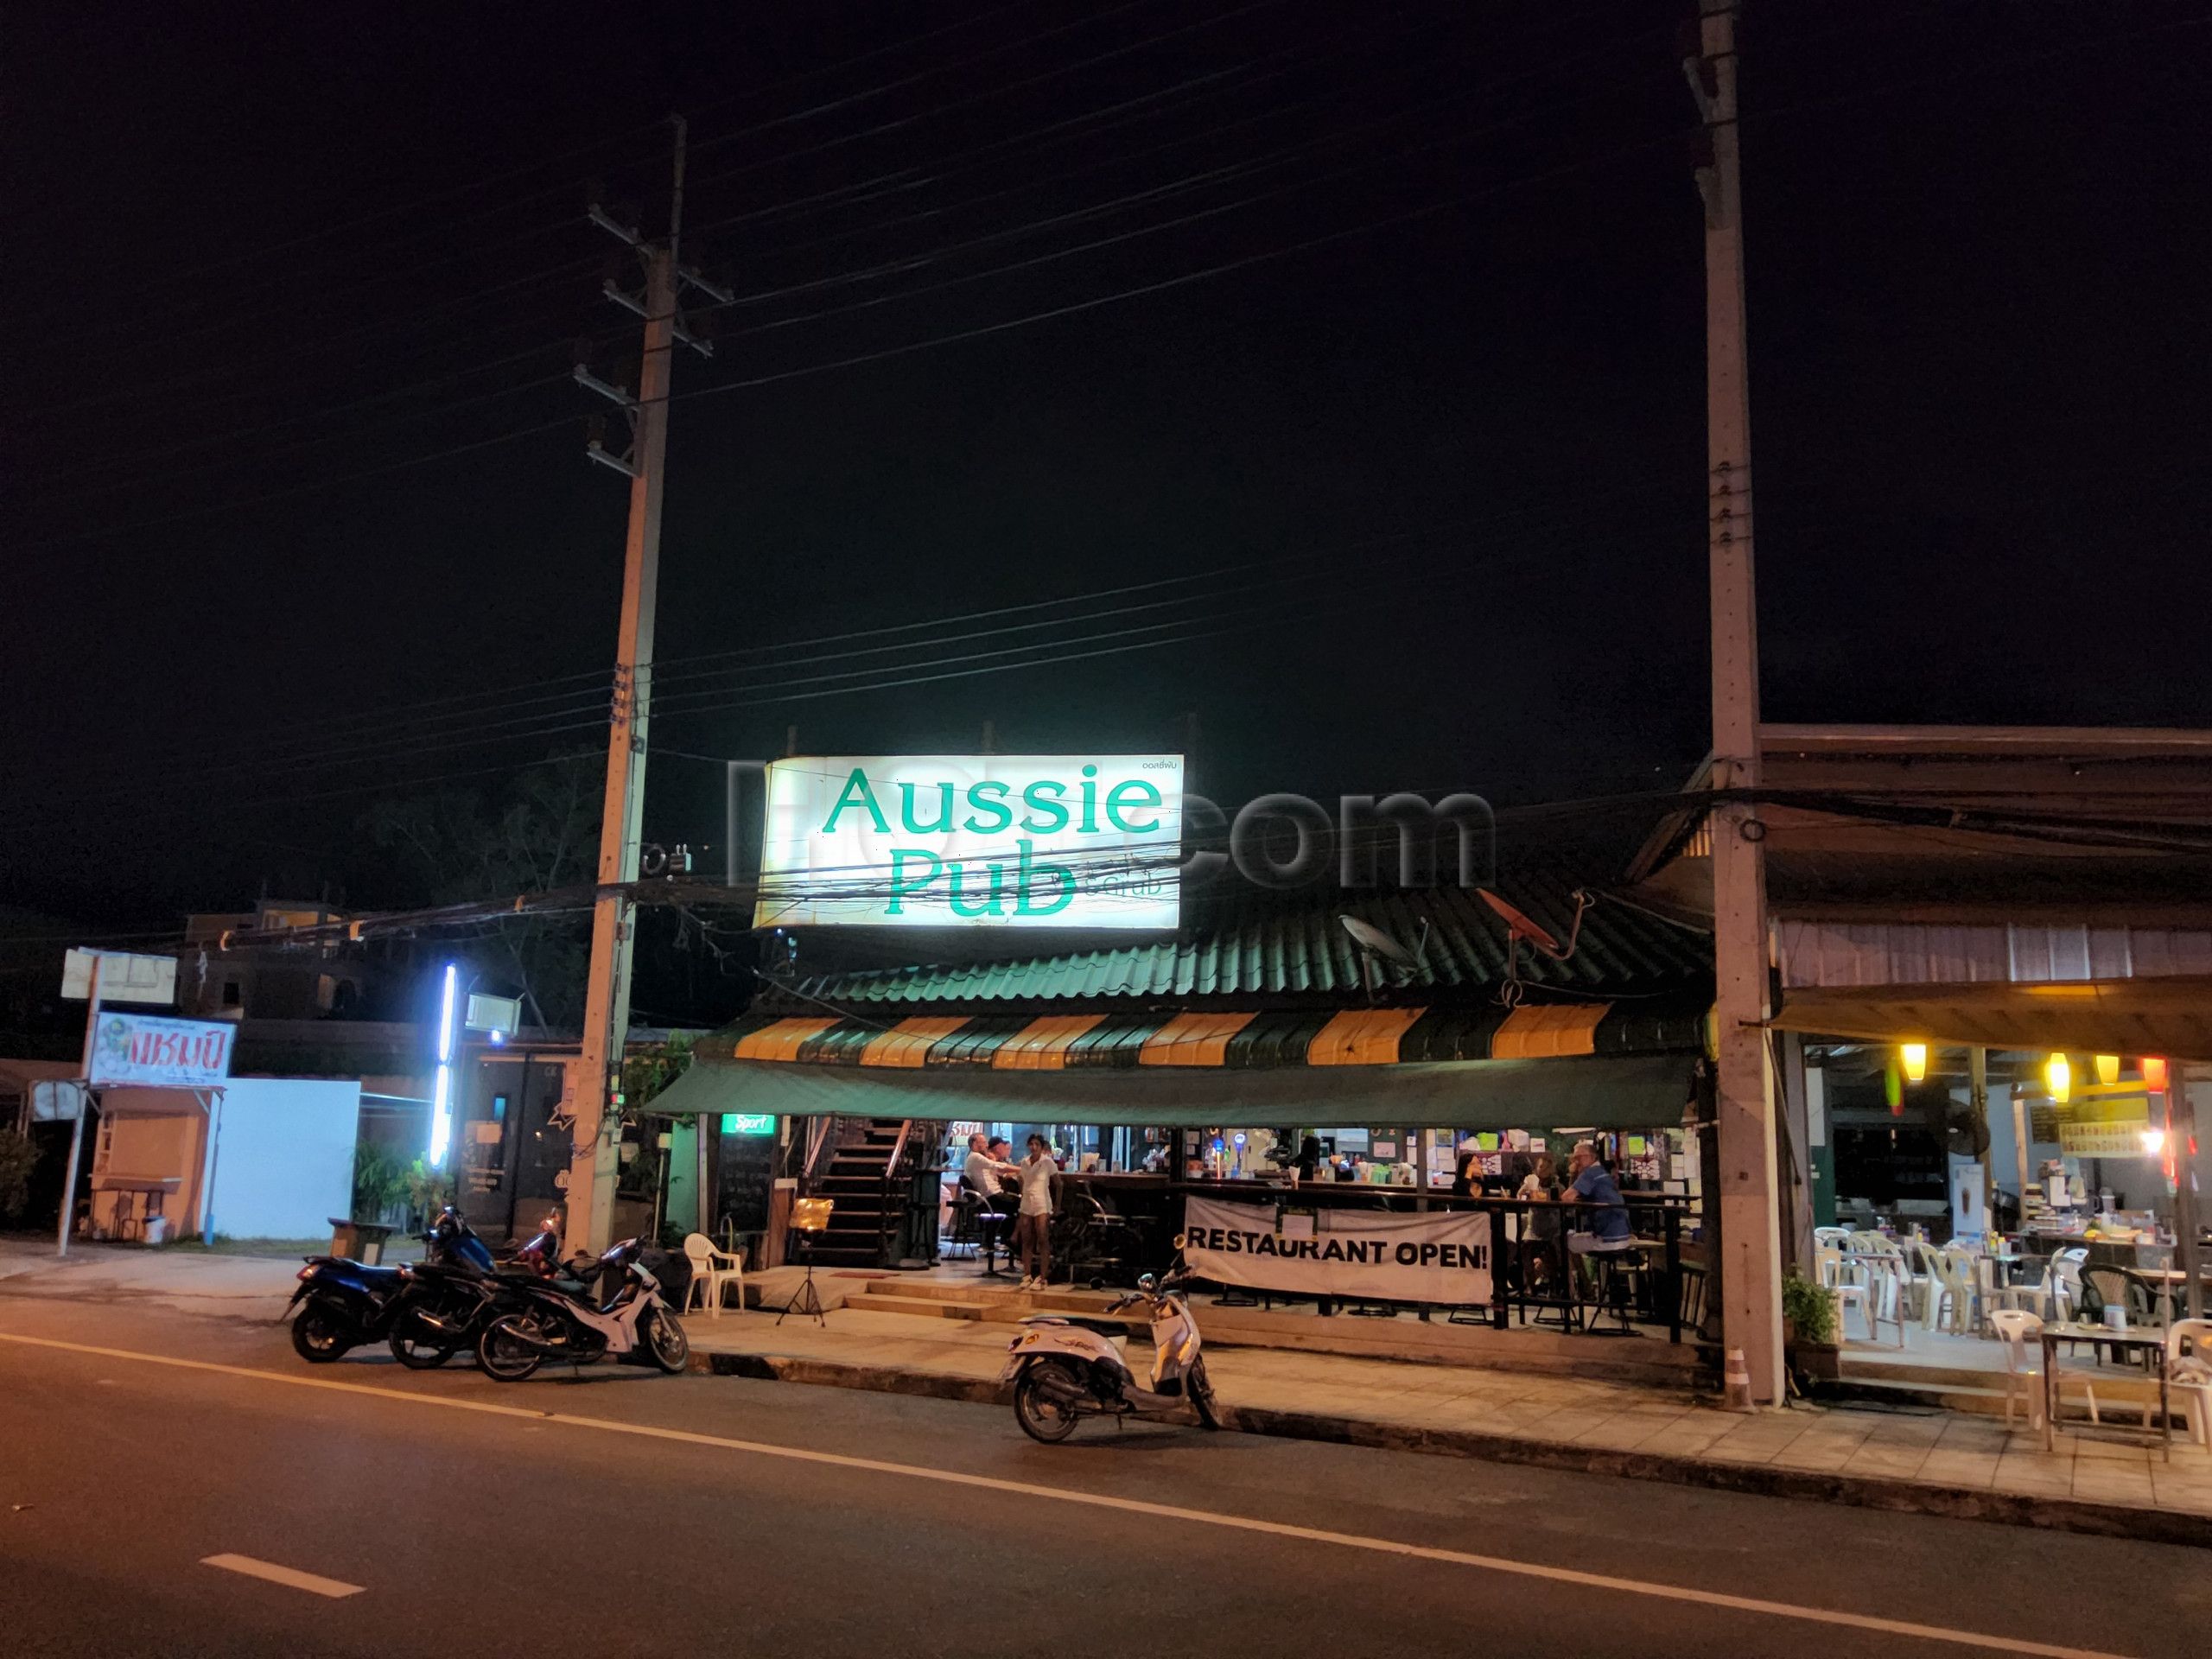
(285, 1156)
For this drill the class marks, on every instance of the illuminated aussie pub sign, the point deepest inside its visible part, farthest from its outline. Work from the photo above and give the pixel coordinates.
(1066, 841)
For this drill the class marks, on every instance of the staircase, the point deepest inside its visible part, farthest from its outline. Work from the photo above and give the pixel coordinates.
(855, 1177)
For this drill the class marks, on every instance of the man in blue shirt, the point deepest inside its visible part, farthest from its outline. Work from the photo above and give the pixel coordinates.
(1589, 1181)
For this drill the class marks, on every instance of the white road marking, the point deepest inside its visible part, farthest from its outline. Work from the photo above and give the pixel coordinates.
(291, 1578)
(1127, 1505)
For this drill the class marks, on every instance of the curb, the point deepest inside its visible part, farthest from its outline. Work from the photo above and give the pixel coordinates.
(1861, 1492)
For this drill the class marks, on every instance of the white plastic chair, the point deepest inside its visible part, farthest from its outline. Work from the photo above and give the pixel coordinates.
(2023, 1370)
(712, 1270)
(2189, 1377)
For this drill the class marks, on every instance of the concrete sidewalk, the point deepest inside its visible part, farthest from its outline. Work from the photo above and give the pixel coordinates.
(192, 1281)
(1931, 1461)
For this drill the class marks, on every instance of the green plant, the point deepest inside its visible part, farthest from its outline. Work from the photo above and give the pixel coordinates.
(1809, 1309)
(380, 1181)
(429, 1190)
(18, 1157)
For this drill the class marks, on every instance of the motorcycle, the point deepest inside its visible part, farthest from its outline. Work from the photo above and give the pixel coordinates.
(348, 1303)
(559, 1322)
(1064, 1369)
(447, 1299)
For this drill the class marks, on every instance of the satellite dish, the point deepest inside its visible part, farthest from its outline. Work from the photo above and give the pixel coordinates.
(1518, 926)
(1372, 942)
(1371, 938)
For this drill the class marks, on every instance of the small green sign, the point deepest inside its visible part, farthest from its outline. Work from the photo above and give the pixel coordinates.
(748, 1122)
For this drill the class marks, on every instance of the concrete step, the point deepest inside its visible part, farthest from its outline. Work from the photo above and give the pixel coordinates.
(1007, 1308)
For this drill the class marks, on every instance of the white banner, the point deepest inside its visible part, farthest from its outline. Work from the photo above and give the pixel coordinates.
(150, 1052)
(1442, 1257)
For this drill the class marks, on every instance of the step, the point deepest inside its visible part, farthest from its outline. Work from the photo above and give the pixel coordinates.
(1010, 1310)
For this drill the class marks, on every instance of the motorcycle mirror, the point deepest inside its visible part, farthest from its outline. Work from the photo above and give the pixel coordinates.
(1147, 1283)
(1180, 1237)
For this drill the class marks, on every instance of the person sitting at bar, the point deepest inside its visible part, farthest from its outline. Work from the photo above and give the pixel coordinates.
(1592, 1184)
(985, 1169)
(1309, 1161)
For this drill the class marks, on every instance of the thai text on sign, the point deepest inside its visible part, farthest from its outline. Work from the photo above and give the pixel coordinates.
(150, 1052)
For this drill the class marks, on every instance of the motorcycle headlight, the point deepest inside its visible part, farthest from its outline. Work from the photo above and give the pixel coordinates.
(307, 1271)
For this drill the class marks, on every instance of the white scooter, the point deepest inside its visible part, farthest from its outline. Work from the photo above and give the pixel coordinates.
(1064, 1369)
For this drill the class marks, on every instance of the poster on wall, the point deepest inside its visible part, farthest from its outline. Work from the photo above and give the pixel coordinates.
(1063, 841)
(144, 1051)
(1442, 1258)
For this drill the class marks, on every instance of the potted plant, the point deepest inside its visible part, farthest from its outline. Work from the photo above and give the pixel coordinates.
(1808, 1329)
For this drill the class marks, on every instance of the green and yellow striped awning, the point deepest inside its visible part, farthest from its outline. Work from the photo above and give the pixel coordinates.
(1062, 1042)
(1604, 1065)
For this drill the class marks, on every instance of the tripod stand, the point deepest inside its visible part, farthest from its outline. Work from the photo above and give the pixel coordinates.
(810, 1217)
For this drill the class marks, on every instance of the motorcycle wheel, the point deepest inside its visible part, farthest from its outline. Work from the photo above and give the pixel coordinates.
(665, 1343)
(503, 1354)
(1043, 1418)
(416, 1353)
(1201, 1393)
(319, 1335)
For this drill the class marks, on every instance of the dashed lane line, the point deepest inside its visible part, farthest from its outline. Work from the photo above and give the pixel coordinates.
(290, 1577)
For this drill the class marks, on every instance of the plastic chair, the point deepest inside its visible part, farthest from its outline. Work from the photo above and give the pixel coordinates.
(712, 1270)
(2023, 1371)
(2014, 1328)
(2189, 1377)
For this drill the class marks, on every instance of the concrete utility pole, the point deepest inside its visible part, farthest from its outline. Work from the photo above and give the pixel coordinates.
(594, 1155)
(1750, 1276)
(84, 1106)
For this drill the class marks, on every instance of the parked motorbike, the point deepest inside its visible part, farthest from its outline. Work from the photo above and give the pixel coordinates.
(448, 1298)
(556, 1322)
(1064, 1369)
(350, 1303)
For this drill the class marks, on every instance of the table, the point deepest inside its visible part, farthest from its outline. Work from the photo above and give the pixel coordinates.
(2153, 1343)
(142, 1198)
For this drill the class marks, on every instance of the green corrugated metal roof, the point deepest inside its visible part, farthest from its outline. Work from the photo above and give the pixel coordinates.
(1244, 942)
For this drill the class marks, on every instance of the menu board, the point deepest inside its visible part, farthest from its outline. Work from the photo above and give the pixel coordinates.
(748, 1172)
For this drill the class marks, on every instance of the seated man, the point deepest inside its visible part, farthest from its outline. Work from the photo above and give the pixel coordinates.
(1590, 1183)
(985, 1169)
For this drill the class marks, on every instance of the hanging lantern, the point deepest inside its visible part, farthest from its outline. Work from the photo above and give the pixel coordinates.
(1913, 1057)
(1893, 1088)
(2058, 1077)
(2154, 1142)
(2154, 1073)
(2108, 1067)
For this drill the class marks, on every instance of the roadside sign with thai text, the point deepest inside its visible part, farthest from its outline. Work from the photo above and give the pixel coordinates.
(148, 1052)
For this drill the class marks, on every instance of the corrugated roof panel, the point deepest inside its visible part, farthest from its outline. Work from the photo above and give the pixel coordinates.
(1240, 941)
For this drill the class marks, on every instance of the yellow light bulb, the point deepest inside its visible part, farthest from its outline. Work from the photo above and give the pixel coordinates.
(2058, 1077)
(1915, 1055)
(2107, 1068)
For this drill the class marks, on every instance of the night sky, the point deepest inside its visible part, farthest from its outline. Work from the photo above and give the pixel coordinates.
(1437, 431)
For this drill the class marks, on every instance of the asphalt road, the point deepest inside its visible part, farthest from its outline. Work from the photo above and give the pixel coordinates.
(616, 1511)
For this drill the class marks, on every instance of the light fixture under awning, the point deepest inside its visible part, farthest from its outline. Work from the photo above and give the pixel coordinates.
(2169, 1016)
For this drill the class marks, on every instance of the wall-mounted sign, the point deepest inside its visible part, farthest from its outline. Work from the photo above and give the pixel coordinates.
(748, 1122)
(148, 1052)
(1068, 841)
(2107, 1140)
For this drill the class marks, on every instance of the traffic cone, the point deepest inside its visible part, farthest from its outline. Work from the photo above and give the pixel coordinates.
(1738, 1379)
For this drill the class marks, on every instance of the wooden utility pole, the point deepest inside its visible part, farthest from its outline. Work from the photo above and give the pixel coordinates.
(595, 1157)
(1750, 1276)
